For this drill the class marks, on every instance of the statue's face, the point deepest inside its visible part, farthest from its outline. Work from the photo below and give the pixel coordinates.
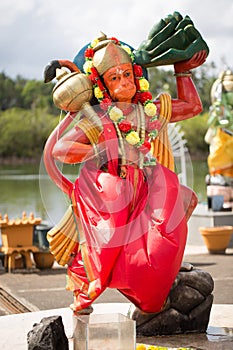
(120, 83)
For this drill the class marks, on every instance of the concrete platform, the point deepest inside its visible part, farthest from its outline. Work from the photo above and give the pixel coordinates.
(14, 328)
(219, 336)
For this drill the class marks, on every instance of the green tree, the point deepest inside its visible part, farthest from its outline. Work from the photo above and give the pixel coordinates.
(7, 92)
(20, 82)
(161, 80)
(204, 77)
(27, 94)
(194, 132)
(37, 94)
(24, 132)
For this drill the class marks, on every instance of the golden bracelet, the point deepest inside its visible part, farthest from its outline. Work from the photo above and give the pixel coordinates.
(183, 74)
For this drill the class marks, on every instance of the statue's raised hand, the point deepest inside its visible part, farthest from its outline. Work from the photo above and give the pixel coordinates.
(197, 60)
(172, 40)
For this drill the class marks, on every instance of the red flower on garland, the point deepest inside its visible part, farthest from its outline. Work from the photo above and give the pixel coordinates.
(101, 86)
(136, 98)
(89, 52)
(145, 147)
(145, 96)
(94, 72)
(153, 125)
(105, 103)
(94, 76)
(105, 94)
(137, 70)
(115, 39)
(137, 85)
(125, 126)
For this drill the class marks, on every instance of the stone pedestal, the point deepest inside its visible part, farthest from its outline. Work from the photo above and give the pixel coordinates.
(188, 306)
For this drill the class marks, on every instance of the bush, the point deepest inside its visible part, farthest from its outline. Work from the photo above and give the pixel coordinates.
(24, 132)
(194, 132)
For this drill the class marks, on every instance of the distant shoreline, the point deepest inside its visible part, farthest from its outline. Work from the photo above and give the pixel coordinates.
(18, 160)
(27, 160)
(36, 160)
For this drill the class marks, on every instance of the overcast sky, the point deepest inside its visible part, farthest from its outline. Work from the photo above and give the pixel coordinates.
(33, 32)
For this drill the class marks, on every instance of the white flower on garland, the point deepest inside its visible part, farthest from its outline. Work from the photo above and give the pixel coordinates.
(116, 114)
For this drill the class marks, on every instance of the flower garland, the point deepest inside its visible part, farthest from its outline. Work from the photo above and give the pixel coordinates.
(155, 347)
(116, 114)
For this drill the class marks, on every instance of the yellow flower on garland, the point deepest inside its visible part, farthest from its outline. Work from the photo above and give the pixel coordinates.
(94, 42)
(127, 49)
(116, 114)
(150, 109)
(141, 347)
(132, 137)
(144, 84)
(87, 67)
(98, 93)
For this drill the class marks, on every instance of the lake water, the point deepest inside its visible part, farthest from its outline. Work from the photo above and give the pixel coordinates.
(28, 188)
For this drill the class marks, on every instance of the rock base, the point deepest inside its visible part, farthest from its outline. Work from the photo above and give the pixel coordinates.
(188, 307)
(49, 334)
